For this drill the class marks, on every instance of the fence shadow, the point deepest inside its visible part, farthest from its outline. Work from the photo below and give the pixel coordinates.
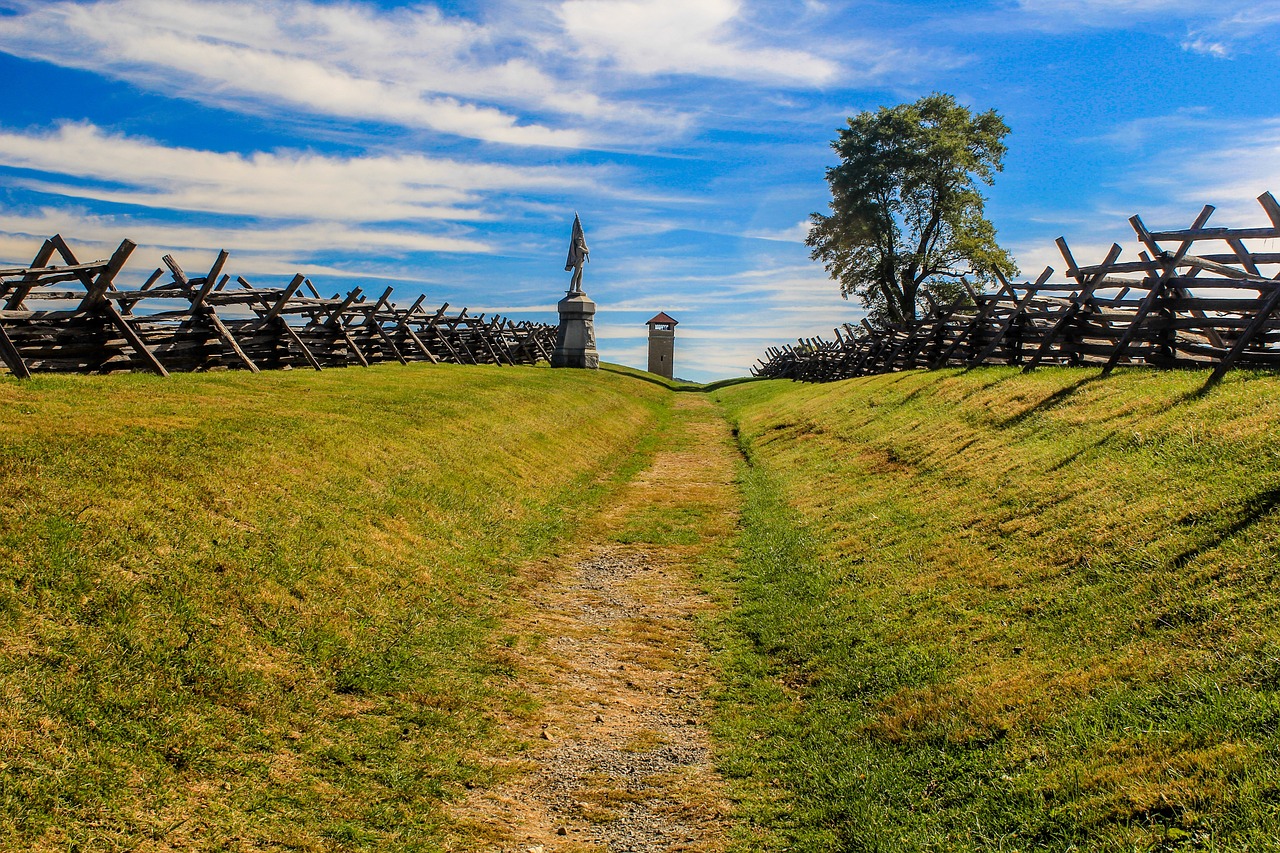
(1054, 399)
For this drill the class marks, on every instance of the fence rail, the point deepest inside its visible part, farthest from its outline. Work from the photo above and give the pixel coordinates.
(1172, 307)
(73, 318)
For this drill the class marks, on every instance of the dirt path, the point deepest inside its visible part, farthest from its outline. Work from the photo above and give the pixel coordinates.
(621, 758)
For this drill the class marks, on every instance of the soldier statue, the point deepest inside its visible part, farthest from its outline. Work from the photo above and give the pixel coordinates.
(578, 255)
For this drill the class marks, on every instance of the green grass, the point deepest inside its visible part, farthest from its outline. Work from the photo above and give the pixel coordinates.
(653, 378)
(986, 611)
(257, 611)
(963, 611)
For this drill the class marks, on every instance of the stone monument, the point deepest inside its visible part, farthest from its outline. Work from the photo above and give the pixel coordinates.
(576, 339)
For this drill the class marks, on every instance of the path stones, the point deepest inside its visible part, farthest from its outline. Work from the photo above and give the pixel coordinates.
(618, 760)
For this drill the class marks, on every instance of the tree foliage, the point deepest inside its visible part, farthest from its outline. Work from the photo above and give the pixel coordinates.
(906, 209)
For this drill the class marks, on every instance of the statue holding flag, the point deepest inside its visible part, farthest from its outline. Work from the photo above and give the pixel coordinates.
(579, 254)
(576, 337)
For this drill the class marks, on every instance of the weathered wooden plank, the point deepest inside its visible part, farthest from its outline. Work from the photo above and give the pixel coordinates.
(335, 318)
(441, 336)
(1135, 324)
(1270, 302)
(1174, 283)
(179, 277)
(152, 279)
(132, 336)
(1268, 202)
(1219, 234)
(1077, 305)
(1005, 325)
(486, 335)
(197, 301)
(104, 280)
(352, 345)
(274, 311)
(30, 278)
(403, 325)
(293, 336)
(1224, 270)
(12, 358)
(1246, 260)
(211, 317)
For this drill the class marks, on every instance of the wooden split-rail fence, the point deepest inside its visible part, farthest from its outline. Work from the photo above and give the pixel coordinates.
(1194, 297)
(72, 317)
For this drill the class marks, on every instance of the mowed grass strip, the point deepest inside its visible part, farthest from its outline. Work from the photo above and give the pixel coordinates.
(988, 611)
(255, 612)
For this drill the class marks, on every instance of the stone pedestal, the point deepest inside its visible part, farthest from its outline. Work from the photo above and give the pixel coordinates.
(576, 339)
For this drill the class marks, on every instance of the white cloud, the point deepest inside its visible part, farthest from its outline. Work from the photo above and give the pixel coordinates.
(1199, 44)
(292, 243)
(1192, 170)
(412, 67)
(524, 74)
(695, 37)
(726, 321)
(289, 185)
(797, 233)
(1233, 176)
(1105, 12)
(1219, 29)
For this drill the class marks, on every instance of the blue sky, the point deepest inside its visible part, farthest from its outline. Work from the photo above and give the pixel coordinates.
(444, 147)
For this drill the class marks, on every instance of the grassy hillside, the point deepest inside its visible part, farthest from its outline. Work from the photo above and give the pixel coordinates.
(968, 611)
(256, 611)
(986, 611)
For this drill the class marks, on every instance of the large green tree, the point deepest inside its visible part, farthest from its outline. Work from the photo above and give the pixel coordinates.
(906, 208)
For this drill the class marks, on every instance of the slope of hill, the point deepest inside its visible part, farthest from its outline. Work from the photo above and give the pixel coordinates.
(963, 611)
(987, 611)
(256, 611)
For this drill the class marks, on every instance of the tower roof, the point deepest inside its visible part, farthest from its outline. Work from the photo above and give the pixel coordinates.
(663, 317)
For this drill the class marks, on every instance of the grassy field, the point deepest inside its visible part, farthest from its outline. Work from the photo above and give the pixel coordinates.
(257, 612)
(986, 611)
(961, 611)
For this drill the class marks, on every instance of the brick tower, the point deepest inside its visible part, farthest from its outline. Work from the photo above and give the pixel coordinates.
(662, 345)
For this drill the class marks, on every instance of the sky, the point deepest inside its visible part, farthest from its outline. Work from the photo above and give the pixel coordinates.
(444, 147)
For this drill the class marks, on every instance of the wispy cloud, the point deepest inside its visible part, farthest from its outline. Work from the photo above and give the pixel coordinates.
(1166, 191)
(285, 184)
(1231, 175)
(526, 76)
(797, 233)
(1104, 13)
(289, 242)
(414, 67)
(697, 37)
(1212, 29)
(1206, 46)
(1205, 158)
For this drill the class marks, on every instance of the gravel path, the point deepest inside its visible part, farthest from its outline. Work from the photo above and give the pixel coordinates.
(622, 757)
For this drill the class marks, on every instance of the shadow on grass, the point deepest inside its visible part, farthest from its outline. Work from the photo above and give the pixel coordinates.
(1213, 382)
(1063, 463)
(1054, 399)
(723, 383)
(641, 375)
(677, 384)
(1256, 507)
